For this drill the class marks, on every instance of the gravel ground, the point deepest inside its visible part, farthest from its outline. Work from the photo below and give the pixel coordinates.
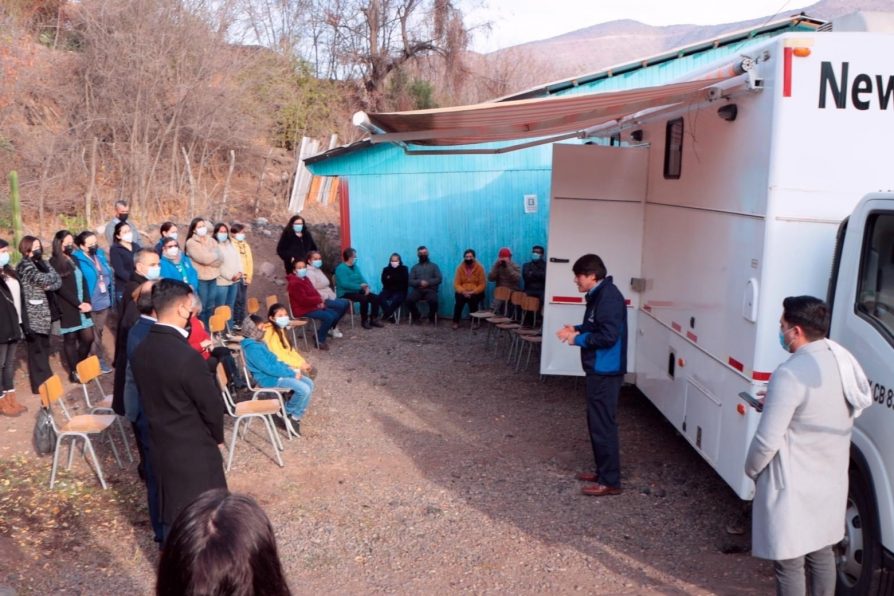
(426, 465)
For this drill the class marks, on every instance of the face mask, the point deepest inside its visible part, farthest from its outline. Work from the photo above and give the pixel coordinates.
(782, 342)
(282, 322)
(201, 231)
(173, 252)
(68, 249)
(317, 263)
(92, 250)
(395, 264)
(123, 216)
(301, 272)
(423, 258)
(297, 228)
(4, 259)
(222, 236)
(240, 237)
(536, 256)
(128, 237)
(172, 235)
(470, 259)
(153, 272)
(36, 254)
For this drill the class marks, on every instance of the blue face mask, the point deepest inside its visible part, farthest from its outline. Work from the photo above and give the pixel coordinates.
(782, 342)
(222, 236)
(536, 256)
(317, 263)
(153, 273)
(4, 259)
(301, 272)
(297, 227)
(282, 322)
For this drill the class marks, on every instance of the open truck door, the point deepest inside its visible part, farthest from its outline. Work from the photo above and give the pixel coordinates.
(597, 201)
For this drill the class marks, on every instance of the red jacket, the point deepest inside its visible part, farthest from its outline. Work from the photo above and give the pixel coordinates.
(197, 335)
(303, 296)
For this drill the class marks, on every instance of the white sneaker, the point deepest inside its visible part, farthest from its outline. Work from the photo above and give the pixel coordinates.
(336, 333)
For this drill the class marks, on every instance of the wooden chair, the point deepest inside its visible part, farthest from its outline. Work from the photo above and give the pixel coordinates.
(530, 306)
(247, 410)
(482, 315)
(226, 312)
(217, 327)
(252, 306)
(277, 391)
(89, 370)
(510, 308)
(74, 428)
(294, 323)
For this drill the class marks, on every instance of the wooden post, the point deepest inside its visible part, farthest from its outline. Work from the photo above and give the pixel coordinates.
(226, 189)
(88, 200)
(16, 205)
(191, 208)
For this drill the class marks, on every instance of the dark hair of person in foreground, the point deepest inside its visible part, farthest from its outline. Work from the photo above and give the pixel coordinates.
(222, 544)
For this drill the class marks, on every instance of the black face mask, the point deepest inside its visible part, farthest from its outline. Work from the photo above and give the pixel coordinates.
(470, 259)
(36, 254)
(423, 258)
(123, 217)
(91, 250)
(68, 249)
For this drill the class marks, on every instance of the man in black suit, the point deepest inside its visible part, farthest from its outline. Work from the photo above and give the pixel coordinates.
(182, 404)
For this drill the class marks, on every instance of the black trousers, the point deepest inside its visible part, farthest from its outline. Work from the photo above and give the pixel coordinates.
(369, 304)
(38, 360)
(391, 301)
(461, 301)
(427, 295)
(602, 408)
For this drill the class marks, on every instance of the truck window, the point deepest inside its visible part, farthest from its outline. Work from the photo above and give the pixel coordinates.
(673, 149)
(875, 296)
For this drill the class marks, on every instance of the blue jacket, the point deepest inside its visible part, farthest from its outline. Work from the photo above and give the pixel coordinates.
(133, 409)
(169, 271)
(603, 334)
(88, 268)
(263, 364)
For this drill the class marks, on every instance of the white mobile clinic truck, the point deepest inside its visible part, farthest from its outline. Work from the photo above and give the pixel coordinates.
(709, 214)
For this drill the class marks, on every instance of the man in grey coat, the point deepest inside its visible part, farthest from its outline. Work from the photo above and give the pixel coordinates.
(799, 455)
(425, 278)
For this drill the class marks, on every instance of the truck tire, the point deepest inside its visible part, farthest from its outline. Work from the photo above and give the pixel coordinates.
(859, 565)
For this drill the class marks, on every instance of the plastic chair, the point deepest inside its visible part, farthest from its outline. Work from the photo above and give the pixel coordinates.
(247, 410)
(74, 428)
(277, 391)
(89, 370)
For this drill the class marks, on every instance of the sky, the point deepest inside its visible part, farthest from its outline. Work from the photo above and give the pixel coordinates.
(519, 21)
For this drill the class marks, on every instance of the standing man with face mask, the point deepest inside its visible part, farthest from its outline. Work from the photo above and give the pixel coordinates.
(602, 338)
(425, 279)
(122, 215)
(181, 402)
(534, 274)
(800, 454)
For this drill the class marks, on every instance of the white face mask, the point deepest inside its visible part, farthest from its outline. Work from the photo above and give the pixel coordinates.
(395, 263)
(172, 252)
(172, 235)
(127, 237)
(201, 231)
(240, 237)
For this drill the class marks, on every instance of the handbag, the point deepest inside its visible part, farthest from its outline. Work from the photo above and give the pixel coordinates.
(44, 434)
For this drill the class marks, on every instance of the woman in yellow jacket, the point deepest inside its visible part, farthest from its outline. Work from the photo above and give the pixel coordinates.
(237, 237)
(469, 284)
(277, 341)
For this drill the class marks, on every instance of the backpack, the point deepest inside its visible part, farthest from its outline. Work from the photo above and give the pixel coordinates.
(44, 435)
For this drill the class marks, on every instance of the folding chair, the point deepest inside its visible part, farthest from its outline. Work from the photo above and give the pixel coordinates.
(246, 410)
(277, 391)
(89, 370)
(75, 427)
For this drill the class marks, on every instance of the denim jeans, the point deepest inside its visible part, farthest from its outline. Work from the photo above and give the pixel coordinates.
(327, 318)
(340, 305)
(207, 294)
(241, 297)
(301, 398)
(228, 296)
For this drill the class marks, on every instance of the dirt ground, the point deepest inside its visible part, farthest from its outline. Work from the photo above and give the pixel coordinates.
(426, 465)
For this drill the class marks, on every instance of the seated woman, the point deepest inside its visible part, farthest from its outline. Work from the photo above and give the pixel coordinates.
(176, 265)
(322, 284)
(469, 284)
(200, 341)
(270, 371)
(307, 302)
(278, 341)
(395, 282)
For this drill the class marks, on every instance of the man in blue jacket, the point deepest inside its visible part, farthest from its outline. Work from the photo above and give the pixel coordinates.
(602, 338)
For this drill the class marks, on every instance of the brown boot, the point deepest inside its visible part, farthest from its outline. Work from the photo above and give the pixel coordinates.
(6, 408)
(11, 397)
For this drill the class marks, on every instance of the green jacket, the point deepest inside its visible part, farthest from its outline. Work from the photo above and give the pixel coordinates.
(348, 279)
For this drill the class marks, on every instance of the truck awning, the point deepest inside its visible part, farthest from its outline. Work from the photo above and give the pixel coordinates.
(527, 118)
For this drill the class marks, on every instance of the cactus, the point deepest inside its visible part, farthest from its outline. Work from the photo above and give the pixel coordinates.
(16, 207)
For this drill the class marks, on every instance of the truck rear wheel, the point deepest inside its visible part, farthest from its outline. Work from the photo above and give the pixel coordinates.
(859, 564)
